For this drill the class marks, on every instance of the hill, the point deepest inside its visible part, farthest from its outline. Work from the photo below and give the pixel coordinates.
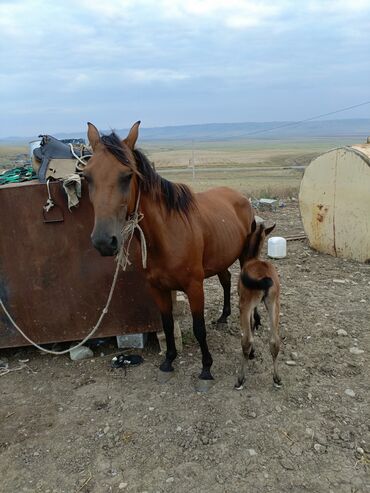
(357, 128)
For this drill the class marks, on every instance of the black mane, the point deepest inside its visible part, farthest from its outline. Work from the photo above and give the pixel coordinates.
(113, 144)
(176, 196)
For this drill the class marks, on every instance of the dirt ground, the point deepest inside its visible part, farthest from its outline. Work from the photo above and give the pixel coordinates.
(81, 426)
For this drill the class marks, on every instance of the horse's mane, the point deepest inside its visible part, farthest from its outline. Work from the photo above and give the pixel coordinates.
(176, 196)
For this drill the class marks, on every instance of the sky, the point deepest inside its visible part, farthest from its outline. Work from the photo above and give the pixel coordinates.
(173, 62)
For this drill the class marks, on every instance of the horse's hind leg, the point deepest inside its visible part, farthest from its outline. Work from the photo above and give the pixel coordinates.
(195, 295)
(225, 280)
(163, 300)
(272, 304)
(246, 309)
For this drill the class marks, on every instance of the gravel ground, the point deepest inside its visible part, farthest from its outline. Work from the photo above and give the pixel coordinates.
(81, 426)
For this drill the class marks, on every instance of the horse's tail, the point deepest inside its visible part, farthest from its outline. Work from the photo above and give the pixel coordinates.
(263, 284)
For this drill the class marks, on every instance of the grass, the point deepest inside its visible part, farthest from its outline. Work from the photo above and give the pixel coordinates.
(279, 183)
(8, 155)
(251, 152)
(241, 155)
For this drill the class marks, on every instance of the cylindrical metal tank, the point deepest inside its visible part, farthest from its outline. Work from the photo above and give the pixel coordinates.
(334, 201)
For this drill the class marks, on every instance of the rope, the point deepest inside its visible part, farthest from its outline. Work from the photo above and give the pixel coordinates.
(49, 203)
(128, 231)
(79, 159)
(122, 261)
(17, 175)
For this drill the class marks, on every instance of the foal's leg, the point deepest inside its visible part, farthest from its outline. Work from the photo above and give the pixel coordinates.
(163, 300)
(257, 319)
(246, 311)
(225, 280)
(272, 304)
(255, 323)
(195, 295)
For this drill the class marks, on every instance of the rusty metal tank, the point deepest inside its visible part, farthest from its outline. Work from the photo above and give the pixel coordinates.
(334, 202)
(52, 280)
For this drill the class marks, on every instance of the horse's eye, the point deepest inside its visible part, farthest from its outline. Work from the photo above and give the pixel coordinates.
(124, 180)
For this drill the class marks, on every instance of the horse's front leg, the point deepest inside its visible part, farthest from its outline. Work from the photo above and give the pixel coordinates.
(225, 280)
(163, 300)
(195, 295)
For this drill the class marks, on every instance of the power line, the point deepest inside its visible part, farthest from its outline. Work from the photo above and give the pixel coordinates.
(294, 124)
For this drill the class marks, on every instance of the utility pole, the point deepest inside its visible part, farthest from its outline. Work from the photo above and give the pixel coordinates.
(193, 158)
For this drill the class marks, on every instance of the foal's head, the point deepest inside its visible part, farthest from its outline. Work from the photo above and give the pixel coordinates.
(112, 178)
(256, 239)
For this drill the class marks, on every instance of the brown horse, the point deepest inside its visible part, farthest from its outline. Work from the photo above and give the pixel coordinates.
(190, 236)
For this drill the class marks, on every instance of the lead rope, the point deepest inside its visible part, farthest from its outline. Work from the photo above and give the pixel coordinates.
(128, 231)
(80, 163)
(122, 261)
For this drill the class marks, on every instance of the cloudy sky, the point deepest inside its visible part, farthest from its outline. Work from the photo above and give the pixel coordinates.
(173, 62)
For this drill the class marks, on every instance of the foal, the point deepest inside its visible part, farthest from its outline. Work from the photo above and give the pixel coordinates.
(259, 281)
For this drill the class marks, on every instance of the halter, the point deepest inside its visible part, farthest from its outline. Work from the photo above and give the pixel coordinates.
(128, 231)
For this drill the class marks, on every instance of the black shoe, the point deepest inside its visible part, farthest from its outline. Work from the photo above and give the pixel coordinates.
(121, 360)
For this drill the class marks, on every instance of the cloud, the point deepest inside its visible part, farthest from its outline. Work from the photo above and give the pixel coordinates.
(230, 13)
(338, 7)
(155, 74)
(176, 60)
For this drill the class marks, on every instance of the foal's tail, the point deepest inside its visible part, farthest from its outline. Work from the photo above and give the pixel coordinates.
(263, 284)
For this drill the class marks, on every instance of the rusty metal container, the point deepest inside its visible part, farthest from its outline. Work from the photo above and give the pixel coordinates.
(334, 202)
(52, 280)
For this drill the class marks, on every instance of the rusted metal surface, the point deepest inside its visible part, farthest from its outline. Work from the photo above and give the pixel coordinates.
(53, 281)
(335, 202)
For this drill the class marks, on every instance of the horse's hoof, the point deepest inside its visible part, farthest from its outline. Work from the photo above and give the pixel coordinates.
(221, 324)
(203, 386)
(166, 366)
(206, 375)
(239, 385)
(252, 354)
(164, 377)
(277, 382)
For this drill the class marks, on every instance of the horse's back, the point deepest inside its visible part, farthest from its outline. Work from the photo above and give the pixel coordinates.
(224, 195)
(224, 203)
(225, 216)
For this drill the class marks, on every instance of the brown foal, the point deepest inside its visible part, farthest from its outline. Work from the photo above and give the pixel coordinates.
(259, 281)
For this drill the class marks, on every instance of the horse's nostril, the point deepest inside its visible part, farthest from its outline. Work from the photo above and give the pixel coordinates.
(106, 244)
(114, 242)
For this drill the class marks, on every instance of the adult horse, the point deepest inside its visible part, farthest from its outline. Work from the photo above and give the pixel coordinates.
(190, 236)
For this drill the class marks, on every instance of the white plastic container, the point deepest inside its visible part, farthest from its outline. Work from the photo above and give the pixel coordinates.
(276, 247)
(34, 144)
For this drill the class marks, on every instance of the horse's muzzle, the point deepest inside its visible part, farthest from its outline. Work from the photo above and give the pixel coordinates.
(105, 244)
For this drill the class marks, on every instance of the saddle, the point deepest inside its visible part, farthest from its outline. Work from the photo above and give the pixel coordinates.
(55, 159)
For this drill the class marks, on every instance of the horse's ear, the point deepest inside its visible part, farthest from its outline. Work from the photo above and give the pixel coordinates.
(253, 226)
(93, 135)
(268, 230)
(132, 136)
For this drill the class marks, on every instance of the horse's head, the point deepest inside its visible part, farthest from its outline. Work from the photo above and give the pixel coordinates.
(256, 239)
(111, 175)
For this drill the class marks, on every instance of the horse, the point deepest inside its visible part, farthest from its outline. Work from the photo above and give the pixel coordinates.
(189, 236)
(259, 281)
